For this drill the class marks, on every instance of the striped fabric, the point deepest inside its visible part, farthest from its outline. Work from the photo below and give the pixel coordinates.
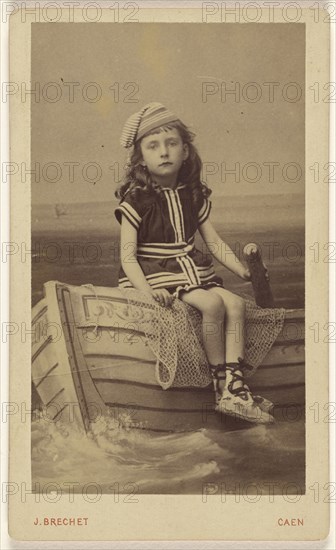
(164, 279)
(164, 250)
(175, 263)
(204, 212)
(150, 117)
(131, 214)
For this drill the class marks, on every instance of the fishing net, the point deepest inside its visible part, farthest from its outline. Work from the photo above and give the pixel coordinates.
(174, 334)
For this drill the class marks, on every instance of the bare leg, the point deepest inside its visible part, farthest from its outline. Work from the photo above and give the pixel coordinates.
(234, 330)
(214, 304)
(213, 311)
(234, 324)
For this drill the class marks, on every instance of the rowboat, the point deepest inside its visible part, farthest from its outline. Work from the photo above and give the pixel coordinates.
(88, 362)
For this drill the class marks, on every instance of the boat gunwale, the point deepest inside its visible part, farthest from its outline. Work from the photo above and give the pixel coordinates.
(189, 388)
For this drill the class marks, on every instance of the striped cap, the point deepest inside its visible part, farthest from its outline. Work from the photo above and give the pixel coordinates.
(152, 116)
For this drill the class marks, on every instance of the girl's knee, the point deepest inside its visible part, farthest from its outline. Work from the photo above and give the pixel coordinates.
(236, 307)
(213, 306)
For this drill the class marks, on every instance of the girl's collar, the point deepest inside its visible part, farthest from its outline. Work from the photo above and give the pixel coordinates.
(180, 186)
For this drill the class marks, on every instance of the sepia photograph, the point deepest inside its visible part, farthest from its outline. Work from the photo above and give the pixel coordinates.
(168, 243)
(169, 203)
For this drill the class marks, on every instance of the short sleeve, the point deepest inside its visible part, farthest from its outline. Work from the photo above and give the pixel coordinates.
(204, 212)
(131, 209)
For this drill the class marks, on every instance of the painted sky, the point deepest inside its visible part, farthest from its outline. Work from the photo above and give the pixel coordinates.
(188, 67)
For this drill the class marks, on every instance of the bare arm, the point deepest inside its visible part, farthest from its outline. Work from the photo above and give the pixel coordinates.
(221, 251)
(129, 262)
(131, 266)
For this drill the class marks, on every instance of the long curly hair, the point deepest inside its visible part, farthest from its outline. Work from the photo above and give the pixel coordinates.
(138, 179)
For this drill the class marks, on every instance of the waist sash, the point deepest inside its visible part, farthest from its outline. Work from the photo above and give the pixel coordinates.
(165, 250)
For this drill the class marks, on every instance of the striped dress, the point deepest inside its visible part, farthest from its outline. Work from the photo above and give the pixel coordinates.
(166, 224)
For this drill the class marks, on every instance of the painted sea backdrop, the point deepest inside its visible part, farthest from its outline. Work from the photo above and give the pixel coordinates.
(79, 244)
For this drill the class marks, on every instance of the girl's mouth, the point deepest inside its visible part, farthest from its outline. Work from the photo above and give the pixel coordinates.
(165, 163)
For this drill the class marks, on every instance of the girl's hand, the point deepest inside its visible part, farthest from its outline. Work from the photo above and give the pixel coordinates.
(162, 296)
(245, 274)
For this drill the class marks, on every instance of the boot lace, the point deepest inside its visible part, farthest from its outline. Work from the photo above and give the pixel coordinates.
(237, 370)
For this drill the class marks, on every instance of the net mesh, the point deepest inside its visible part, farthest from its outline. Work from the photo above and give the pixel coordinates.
(174, 335)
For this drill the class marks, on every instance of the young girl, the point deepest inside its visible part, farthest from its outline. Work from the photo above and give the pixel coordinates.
(163, 204)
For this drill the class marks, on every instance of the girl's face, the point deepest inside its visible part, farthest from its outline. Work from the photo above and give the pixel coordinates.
(163, 154)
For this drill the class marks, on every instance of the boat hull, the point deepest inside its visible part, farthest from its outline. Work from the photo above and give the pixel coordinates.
(82, 370)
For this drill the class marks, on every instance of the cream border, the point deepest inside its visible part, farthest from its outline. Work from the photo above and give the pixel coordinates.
(169, 517)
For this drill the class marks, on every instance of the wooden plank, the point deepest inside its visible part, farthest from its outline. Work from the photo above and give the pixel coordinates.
(116, 346)
(121, 369)
(144, 395)
(289, 336)
(281, 395)
(39, 310)
(40, 347)
(145, 373)
(141, 395)
(40, 330)
(296, 314)
(292, 332)
(52, 371)
(85, 388)
(111, 310)
(43, 363)
(279, 375)
(51, 392)
(281, 355)
(48, 357)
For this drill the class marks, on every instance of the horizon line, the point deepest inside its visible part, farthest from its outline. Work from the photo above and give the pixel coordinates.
(222, 195)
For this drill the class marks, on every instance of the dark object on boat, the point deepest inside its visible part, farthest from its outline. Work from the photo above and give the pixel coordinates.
(262, 290)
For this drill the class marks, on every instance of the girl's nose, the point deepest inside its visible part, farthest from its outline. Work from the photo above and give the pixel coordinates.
(163, 151)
